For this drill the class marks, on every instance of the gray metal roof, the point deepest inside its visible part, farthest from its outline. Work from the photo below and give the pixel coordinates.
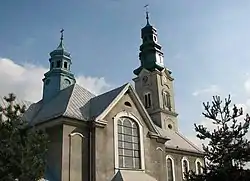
(73, 102)
(101, 102)
(69, 102)
(131, 175)
(178, 141)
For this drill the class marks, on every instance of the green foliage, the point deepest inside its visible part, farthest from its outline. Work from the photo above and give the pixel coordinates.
(23, 148)
(228, 148)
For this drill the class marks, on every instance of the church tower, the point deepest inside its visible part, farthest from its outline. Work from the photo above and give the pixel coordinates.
(153, 82)
(59, 76)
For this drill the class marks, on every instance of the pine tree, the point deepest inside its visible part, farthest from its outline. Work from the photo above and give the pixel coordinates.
(228, 148)
(23, 148)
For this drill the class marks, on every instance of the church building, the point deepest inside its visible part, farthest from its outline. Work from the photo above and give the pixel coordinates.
(127, 134)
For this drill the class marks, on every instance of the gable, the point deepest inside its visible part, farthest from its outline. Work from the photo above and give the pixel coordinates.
(127, 91)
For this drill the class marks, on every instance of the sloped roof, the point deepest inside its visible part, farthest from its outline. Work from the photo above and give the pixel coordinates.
(131, 175)
(101, 102)
(69, 102)
(178, 141)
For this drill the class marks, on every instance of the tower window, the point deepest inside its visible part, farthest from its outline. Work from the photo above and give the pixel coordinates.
(166, 100)
(58, 64)
(65, 65)
(147, 100)
(52, 64)
(128, 143)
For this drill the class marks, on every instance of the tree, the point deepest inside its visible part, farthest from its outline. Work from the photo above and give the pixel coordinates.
(228, 148)
(23, 147)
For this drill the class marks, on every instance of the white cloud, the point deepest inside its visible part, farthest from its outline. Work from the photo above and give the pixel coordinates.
(212, 89)
(25, 80)
(95, 85)
(247, 85)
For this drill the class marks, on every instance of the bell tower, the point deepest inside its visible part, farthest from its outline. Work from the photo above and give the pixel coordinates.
(153, 81)
(59, 76)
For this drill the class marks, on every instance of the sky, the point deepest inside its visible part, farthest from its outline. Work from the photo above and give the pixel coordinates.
(206, 45)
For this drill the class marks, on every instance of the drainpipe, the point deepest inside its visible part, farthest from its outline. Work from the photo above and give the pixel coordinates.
(91, 151)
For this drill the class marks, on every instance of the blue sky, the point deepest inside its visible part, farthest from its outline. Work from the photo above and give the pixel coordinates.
(206, 44)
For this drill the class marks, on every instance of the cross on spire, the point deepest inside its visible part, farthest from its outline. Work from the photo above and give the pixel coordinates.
(62, 30)
(147, 16)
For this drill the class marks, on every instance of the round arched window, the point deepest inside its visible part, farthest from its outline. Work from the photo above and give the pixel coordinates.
(128, 143)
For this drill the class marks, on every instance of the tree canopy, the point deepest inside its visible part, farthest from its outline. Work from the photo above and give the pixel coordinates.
(23, 147)
(228, 148)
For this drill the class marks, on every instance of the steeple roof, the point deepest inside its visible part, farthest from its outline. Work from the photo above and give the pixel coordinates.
(60, 50)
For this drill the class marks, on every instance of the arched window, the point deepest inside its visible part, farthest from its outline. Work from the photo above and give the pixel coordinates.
(170, 169)
(147, 100)
(128, 143)
(198, 167)
(166, 100)
(185, 166)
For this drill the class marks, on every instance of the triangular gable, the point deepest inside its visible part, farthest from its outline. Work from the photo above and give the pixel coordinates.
(131, 175)
(100, 103)
(127, 88)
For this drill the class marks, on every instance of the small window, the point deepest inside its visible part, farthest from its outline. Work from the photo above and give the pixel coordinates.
(52, 64)
(65, 65)
(147, 99)
(58, 64)
(127, 104)
(170, 126)
(167, 100)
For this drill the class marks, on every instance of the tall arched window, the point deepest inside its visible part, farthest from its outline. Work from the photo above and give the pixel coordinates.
(170, 169)
(128, 143)
(185, 166)
(198, 167)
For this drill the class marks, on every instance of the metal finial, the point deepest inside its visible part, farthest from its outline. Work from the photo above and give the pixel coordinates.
(147, 16)
(62, 30)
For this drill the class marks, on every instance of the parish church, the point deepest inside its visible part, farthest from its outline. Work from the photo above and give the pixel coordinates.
(127, 134)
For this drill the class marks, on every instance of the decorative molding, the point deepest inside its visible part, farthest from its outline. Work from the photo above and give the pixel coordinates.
(76, 133)
(100, 123)
(173, 168)
(182, 165)
(157, 137)
(70, 148)
(165, 111)
(196, 166)
(140, 125)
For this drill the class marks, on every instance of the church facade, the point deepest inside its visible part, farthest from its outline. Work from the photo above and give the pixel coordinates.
(126, 134)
